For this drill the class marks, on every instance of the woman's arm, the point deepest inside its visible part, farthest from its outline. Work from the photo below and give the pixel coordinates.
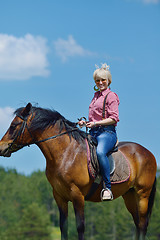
(104, 122)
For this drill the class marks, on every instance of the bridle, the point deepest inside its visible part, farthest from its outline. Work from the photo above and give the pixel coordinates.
(13, 146)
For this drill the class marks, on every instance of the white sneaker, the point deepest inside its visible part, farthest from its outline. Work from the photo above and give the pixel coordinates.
(106, 195)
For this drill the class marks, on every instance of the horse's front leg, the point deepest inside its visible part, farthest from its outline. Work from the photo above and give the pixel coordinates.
(64, 221)
(78, 204)
(63, 211)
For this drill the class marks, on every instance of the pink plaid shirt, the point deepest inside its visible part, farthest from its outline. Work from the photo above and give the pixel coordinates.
(111, 107)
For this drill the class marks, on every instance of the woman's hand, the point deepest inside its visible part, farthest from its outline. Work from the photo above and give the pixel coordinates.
(82, 123)
(90, 124)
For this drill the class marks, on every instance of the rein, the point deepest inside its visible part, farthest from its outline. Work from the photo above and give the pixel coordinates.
(14, 146)
(55, 136)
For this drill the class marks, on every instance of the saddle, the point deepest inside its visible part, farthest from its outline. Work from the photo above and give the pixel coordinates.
(119, 166)
(92, 143)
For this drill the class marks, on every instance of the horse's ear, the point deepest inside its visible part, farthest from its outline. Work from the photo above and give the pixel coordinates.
(26, 110)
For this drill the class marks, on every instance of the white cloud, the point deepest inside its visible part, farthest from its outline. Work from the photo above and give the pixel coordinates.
(6, 116)
(22, 58)
(69, 48)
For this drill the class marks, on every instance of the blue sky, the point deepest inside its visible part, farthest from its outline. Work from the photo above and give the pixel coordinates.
(48, 52)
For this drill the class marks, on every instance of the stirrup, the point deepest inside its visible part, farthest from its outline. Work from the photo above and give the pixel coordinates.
(106, 198)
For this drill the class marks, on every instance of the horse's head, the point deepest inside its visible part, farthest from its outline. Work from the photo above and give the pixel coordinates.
(18, 134)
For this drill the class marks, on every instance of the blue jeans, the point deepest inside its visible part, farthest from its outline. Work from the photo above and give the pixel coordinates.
(106, 138)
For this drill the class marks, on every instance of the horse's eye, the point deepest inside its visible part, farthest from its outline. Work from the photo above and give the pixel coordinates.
(11, 129)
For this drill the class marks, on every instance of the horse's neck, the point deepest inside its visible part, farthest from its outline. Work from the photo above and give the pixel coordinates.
(63, 155)
(53, 149)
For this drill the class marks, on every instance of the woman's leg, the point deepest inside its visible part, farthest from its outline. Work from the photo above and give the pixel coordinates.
(106, 142)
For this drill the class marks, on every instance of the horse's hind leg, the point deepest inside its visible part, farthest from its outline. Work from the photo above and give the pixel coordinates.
(146, 195)
(130, 199)
(143, 201)
(137, 205)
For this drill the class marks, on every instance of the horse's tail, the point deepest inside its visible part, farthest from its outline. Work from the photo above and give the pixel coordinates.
(151, 198)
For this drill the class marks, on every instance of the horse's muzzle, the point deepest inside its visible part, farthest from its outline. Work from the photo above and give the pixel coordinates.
(4, 149)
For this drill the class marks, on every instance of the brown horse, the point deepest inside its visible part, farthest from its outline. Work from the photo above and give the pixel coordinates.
(64, 148)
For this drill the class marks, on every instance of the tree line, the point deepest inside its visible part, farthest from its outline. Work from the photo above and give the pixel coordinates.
(28, 211)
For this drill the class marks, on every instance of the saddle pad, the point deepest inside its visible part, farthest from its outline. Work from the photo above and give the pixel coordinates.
(121, 172)
(122, 168)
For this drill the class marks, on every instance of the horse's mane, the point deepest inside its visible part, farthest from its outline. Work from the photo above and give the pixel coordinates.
(45, 118)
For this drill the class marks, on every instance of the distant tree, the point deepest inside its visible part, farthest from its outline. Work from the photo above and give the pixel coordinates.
(35, 224)
(40, 184)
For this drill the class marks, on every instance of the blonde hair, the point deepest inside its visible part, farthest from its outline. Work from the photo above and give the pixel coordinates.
(103, 72)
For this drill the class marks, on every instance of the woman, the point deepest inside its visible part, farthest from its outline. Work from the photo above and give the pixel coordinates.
(103, 123)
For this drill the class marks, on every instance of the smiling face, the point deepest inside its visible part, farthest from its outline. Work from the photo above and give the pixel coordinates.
(102, 78)
(101, 83)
